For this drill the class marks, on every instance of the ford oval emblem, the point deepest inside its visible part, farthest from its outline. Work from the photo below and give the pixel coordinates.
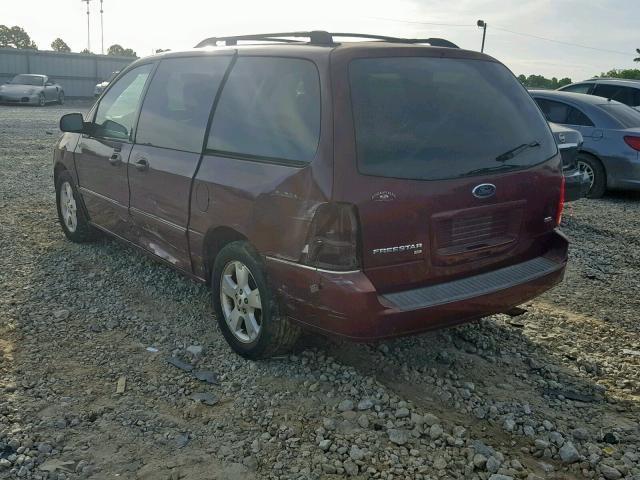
(484, 190)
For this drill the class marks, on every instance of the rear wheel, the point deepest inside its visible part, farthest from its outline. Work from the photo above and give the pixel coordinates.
(61, 98)
(41, 100)
(594, 170)
(246, 308)
(73, 220)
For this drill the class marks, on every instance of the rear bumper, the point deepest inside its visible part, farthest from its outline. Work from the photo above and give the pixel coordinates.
(348, 305)
(576, 185)
(623, 172)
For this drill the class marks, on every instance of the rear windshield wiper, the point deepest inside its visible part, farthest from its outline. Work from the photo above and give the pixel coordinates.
(497, 168)
(509, 154)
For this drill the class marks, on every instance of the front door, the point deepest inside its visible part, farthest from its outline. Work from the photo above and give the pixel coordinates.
(102, 156)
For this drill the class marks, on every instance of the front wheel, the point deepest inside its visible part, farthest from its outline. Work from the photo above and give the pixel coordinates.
(41, 100)
(246, 308)
(593, 169)
(71, 216)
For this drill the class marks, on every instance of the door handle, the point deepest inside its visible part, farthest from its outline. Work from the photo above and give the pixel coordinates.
(142, 164)
(115, 159)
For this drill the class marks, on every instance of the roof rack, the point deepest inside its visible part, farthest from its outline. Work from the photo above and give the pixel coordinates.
(319, 37)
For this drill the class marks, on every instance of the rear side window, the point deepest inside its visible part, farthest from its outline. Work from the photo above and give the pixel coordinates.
(615, 92)
(436, 118)
(177, 105)
(269, 109)
(578, 88)
(560, 112)
(117, 110)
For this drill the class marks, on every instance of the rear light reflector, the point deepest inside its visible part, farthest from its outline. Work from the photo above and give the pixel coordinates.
(333, 238)
(560, 203)
(633, 142)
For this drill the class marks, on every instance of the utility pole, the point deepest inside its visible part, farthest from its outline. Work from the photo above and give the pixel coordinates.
(88, 27)
(101, 29)
(483, 25)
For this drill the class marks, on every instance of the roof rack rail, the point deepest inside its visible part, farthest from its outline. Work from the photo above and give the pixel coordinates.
(319, 37)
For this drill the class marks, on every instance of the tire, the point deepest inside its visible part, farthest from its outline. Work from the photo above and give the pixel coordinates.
(61, 98)
(593, 167)
(274, 335)
(41, 100)
(71, 214)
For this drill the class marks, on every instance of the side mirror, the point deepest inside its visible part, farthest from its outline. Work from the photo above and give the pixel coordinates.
(72, 122)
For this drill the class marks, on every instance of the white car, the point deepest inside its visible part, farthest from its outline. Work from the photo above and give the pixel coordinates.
(97, 91)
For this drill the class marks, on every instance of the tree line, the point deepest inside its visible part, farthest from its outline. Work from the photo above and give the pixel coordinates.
(16, 37)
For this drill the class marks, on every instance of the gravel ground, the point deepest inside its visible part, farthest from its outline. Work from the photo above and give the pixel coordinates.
(86, 390)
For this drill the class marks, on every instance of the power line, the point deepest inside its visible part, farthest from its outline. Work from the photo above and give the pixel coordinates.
(493, 26)
(422, 23)
(626, 54)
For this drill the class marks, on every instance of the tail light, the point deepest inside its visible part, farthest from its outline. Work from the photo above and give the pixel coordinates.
(333, 238)
(633, 142)
(560, 203)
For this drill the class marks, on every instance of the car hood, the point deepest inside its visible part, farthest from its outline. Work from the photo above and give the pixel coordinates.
(20, 89)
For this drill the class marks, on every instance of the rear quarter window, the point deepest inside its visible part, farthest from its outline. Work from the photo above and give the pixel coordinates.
(269, 109)
(436, 118)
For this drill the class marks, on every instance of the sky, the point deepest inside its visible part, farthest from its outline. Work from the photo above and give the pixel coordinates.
(609, 27)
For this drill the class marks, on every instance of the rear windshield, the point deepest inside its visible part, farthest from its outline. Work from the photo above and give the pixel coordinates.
(436, 118)
(625, 115)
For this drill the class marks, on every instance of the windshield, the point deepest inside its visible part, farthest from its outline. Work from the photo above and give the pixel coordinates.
(436, 118)
(28, 80)
(626, 116)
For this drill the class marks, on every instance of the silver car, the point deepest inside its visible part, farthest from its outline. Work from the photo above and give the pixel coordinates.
(99, 88)
(610, 154)
(30, 89)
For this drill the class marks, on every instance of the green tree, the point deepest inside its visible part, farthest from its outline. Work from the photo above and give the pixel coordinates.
(118, 50)
(564, 81)
(539, 81)
(87, 51)
(15, 37)
(630, 73)
(60, 45)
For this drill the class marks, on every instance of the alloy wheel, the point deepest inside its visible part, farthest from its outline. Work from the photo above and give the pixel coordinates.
(240, 300)
(68, 207)
(586, 168)
(41, 101)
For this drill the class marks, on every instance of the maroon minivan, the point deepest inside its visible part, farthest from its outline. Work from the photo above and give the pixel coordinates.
(366, 189)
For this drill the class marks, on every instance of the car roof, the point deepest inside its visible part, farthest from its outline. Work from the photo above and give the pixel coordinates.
(309, 50)
(629, 82)
(575, 97)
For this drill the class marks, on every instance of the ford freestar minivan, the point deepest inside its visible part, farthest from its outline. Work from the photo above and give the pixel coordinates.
(363, 189)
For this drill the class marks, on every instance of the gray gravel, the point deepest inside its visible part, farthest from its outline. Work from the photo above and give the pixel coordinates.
(554, 393)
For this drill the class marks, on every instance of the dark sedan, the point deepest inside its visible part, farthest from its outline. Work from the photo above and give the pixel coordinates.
(610, 155)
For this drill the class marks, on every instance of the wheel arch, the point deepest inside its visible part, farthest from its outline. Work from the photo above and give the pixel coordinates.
(214, 241)
(58, 168)
(596, 157)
